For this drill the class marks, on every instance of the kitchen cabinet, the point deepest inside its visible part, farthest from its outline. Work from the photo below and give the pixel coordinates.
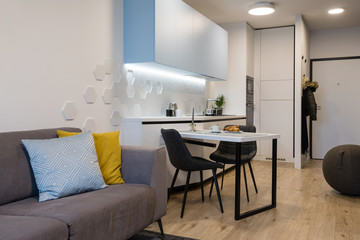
(171, 33)
(166, 33)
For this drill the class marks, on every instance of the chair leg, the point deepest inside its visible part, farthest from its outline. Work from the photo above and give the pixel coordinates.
(222, 179)
(217, 190)
(253, 178)
(161, 227)
(172, 183)
(185, 194)
(202, 185)
(211, 187)
(246, 187)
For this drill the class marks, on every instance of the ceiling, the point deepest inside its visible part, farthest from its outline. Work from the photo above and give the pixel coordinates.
(314, 12)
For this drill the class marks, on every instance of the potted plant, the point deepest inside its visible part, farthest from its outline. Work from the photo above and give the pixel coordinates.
(220, 102)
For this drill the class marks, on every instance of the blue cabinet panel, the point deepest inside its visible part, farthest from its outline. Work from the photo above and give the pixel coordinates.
(139, 31)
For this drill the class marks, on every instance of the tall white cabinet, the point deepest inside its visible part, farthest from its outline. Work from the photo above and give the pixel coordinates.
(274, 79)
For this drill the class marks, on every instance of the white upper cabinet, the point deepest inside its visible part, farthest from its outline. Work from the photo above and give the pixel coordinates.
(222, 59)
(166, 34)
(171, 33)
(185, 37)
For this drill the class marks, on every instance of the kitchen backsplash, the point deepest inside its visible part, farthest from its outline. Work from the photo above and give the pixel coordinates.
(149, 93)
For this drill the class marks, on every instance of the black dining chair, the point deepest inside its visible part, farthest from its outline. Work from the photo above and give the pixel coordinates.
(225, 153)
(181, 159)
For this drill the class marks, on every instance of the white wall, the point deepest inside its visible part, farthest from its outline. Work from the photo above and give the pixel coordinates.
(302, 68)
(240, 64)
(250, 41)
(331, 43)
(49, 50)
(340, 42)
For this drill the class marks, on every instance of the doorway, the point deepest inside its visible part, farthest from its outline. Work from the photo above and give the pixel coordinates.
(337, 97)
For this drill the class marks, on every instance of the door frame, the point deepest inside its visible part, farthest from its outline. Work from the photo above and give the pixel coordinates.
(311, 79)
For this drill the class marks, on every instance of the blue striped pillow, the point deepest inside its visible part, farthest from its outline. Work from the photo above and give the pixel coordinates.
(65, 166)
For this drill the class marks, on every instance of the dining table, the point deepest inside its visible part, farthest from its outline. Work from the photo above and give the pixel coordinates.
(238, 138)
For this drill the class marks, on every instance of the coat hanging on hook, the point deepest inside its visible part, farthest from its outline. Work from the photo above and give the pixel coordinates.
(309, 103)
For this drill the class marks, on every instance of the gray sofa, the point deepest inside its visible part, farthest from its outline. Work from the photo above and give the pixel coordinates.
(116, 212)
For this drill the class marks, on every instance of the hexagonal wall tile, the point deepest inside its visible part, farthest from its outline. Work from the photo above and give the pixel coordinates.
(120, 68)
(69, 110)
(99, 72)
(130, 91)
(159, 87)
(120, 78)
(107, 96)
(116, 89)
(90, 125)
(108, 66)
(148, 86)
(90, 94)
(142, 92)
(115, 118)
(139, 86)
(130, 78)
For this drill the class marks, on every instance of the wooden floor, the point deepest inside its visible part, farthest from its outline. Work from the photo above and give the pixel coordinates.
(307, 208)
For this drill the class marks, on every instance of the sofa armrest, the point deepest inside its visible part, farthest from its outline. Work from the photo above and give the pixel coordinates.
(147, 165)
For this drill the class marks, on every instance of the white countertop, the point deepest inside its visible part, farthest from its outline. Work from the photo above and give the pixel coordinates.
(228, 136)
(184, 118)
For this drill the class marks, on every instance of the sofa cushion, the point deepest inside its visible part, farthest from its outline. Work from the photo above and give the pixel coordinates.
(30, 228)
(115, 212)
(64, 166)
(109, 154)
(16, 176)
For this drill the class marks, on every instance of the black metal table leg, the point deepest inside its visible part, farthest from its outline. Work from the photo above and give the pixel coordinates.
(237, 180)
(274, 172)
(239, 215)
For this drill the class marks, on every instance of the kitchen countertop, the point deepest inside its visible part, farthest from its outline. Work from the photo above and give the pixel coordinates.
(184, 119)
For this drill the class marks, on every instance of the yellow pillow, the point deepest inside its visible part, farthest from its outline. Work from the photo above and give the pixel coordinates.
(109, 154)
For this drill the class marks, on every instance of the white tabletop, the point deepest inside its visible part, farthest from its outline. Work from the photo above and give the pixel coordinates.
(228, 136)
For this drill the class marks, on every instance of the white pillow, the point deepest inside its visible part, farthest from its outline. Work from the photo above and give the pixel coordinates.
(65, 166)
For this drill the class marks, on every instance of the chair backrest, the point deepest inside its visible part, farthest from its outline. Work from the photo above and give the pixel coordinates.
(247, 148)
(179, 154)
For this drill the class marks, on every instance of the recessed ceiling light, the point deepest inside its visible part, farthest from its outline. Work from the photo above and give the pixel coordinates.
(261, 8)
(336, 11)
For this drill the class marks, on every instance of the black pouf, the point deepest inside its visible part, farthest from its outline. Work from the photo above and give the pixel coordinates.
(341, 168)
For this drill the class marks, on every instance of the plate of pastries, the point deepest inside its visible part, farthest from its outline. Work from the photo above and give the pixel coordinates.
(232, 129)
